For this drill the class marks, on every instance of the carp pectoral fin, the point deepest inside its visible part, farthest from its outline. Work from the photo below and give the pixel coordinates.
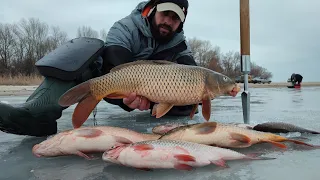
(83, 110)
(240, 138)
(88, 133)
(184, 157)
(220, 162)
(193, 111)
(183, 167)
(275, 143)
(81, 154)
(205, 128)
(122, 140)
(154, 110)
(206, 107)
(162, 109)
(116, 96)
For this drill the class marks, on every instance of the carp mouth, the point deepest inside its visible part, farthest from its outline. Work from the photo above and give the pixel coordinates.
(235, 90)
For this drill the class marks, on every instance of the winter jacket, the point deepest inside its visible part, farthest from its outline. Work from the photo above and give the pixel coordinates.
(130, 39)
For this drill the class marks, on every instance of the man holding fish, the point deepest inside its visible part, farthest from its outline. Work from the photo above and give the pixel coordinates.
(153, 31)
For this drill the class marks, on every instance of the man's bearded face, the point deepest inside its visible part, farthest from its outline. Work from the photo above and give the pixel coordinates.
(165, 25)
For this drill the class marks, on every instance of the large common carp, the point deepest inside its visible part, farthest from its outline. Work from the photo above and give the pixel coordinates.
(281, 127)
(226, 135)
(166, 83)
(181, 155)
(85, 140)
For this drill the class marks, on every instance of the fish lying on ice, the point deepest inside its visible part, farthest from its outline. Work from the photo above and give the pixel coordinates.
(85, 140)
(166, 154)
(164, 128)
(163, 82)
(226, 135)
(281, 127)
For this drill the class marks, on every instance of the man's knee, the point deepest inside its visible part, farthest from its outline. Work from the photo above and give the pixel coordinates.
(77, 60)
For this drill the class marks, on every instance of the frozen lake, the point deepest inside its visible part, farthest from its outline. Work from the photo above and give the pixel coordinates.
(299, 107)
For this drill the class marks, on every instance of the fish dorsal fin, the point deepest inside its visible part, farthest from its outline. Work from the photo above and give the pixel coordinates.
(205, 128)
(177, 129)
(172, 131)
(160, 62)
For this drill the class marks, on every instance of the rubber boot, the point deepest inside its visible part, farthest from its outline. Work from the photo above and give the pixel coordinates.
(38, 115)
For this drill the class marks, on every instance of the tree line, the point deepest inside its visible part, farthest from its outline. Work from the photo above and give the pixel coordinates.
(25, 42)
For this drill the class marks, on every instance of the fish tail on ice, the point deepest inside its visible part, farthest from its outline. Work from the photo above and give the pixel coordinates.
(257, 156)
(280, 145)
(302, 143)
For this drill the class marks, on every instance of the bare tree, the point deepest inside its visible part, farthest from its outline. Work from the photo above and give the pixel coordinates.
(103, 34)
(215, 65)
(56, 38)
(260, 72)
(29, 41)
(203, 52)
(24, 43)
(7, 42)
(87, 31)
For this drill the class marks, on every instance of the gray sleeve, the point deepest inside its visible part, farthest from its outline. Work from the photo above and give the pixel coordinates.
(120, 35)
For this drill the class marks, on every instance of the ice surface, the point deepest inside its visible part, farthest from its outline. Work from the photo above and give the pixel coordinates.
(300, 107)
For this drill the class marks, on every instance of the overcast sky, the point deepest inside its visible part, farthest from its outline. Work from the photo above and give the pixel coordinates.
(285, 34)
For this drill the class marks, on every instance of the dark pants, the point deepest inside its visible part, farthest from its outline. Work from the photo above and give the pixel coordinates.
(296, 79)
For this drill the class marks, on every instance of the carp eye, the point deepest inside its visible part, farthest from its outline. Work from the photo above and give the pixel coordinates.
(225, 78)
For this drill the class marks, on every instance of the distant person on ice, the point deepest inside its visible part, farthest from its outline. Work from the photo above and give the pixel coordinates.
(296, 79)
(153, 30)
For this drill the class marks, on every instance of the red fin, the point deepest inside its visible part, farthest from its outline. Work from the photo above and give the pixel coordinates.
(183, 167)
(83, 110)
(303, 143)
(154, 110)
(193, 111)
(122, 140)
(275, 143)
(162, 109)
(116, 96)
(220, 162)
(205, 128)
(142, 147)
(88, 133)
(240, 137)
(185, 157)
(206, 107)
(81, 154)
